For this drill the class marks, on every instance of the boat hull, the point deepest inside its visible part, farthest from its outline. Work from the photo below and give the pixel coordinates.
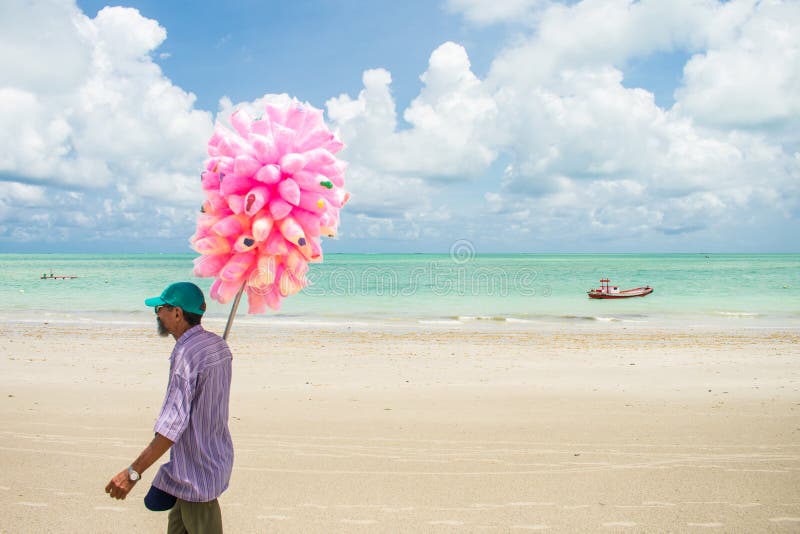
(625, 294)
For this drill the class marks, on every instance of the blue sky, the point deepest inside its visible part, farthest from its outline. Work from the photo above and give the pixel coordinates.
(310, 50)
(520, 126)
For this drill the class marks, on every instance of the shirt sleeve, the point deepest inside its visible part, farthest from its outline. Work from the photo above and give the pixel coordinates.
(175, 412)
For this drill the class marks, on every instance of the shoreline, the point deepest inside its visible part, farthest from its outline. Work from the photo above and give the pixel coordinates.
(718, 322)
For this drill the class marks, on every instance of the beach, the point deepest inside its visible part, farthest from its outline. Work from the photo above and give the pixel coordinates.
(488, 427)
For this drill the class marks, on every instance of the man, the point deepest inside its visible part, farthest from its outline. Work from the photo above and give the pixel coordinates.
(193, 421)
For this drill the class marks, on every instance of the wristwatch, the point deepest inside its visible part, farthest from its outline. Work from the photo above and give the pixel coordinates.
(133, 475)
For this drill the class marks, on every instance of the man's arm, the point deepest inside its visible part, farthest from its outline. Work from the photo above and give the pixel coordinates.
(121, 484)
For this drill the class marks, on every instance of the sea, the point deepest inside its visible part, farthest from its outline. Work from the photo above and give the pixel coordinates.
(430, 290)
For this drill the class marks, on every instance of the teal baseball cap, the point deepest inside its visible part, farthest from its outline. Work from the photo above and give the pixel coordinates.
(183, 295)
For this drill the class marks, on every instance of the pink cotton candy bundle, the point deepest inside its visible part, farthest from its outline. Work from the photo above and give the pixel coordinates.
(273, 188)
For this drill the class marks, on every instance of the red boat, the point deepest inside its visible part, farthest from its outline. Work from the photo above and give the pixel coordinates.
(607, 291)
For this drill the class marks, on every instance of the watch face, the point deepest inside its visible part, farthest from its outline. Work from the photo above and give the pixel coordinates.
(133, 475)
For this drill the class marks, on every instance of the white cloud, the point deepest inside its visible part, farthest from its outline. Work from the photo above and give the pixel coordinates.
(398, 174)
(579, 140)
(43, 46)
(750, 77)
(83, 107)
(449, 121)
(606, 33)
(367, 120)
(15, 196)
(122, 34)
(23, 194)
(385, 194)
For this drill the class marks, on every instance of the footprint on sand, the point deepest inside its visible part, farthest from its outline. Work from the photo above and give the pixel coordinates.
(785, 519)
(312, 505)
(397, 509)
(657, 503)
(746, 505)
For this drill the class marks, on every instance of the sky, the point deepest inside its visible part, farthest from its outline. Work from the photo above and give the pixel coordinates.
(511, 125)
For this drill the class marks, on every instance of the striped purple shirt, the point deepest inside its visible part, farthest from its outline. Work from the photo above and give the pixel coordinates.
(195, 417)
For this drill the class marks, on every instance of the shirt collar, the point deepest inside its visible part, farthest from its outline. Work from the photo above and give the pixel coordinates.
(193, 331)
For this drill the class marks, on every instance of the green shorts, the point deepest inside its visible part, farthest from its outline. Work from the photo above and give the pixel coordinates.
(195, 518)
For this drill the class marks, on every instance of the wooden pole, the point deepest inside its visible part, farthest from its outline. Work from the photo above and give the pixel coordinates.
(233, 312)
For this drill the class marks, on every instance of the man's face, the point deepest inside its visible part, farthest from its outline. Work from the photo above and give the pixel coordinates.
(162, 330)
(164, 313)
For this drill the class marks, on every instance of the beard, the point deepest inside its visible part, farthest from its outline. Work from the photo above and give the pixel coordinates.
(162, 330)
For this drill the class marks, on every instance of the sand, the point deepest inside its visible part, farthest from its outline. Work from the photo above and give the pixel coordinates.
(440, 429)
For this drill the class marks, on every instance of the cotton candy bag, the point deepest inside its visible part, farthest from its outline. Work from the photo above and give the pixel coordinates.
(273, 188)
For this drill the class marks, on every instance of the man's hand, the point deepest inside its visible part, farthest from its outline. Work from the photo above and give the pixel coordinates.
(120, 485)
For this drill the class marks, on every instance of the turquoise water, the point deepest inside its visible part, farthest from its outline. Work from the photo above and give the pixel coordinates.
(422, 288)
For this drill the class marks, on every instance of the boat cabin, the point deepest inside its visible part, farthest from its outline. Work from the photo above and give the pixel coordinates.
(606, 288)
